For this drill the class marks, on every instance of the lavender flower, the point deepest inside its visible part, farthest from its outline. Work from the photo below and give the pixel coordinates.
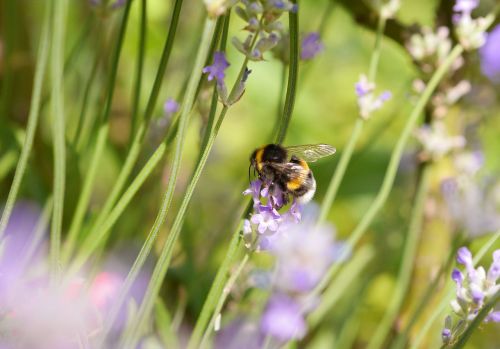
(473, 290)
(368, 102)
(472, 202)
(283, 319)
(303, 255)
(470, 32)
(170, 107)
(436, 142)
(490, 56)
(218, 68)
(311, 46)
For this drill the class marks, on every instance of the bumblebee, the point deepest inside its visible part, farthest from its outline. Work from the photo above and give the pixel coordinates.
(287, 168)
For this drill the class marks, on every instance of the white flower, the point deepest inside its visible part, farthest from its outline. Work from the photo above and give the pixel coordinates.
(436, 142)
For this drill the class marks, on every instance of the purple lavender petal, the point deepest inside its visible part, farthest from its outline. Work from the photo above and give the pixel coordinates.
(311, 46)
(218, 67)
(457, 276)
(464, 256)
(490, 56)
(170, 107)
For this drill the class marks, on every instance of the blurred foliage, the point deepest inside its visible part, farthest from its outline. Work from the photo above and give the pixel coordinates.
(325, 111)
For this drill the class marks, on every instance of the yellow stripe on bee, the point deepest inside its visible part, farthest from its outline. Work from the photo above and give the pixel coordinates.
(304, 164)
(258, 158)
(294, 184)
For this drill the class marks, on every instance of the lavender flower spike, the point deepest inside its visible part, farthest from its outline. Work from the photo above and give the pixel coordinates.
(311, 46)
(282, 319)
(490, 56)
(218, 68)
(368, 102)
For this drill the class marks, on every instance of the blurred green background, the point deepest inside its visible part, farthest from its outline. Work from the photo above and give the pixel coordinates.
(325, 112)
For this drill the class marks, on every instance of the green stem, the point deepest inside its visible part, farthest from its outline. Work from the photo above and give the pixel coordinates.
(83, 124)
(58, 131)
(409, 252)
(375, 58)
(293, 69)
(41, 64)
(345, 158)
(102, 135)
(476, 322)
(222, 299)
(450, 293)
(131, 336)
(140, 65)
(391, 171)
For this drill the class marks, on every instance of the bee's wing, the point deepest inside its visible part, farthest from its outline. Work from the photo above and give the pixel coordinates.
(290, 170)
(311, 152)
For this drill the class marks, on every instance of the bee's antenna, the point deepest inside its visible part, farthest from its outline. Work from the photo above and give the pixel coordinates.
(249, 172)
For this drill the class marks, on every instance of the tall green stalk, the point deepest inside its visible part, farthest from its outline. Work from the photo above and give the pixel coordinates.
(131, 336)
(293, 71)
(405, 270)
(58, 131)
(347, 152)
(41, 64)
(215, 293)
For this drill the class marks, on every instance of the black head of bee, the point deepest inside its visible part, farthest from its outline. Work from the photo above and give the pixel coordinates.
(274, 153)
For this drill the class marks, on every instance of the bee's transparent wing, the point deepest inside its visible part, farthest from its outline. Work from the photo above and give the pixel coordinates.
(290, 170)
(311, 152)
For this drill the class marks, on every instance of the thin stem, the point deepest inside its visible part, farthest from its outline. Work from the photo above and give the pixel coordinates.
(58, 132)
(131, 336)
(41, 64)
(102, 135)
(140, 65)
(293, 70)
(476, 322)
(396, 155)
(345, 158)
(450, 293)
(409, 252)
(222, 300)
(375, 58)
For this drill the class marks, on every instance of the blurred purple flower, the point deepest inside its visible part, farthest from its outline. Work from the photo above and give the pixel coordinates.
(490, 56)
(218, 68)
(170, 107)
(473, 206)
(368, 102)
(304, 253)
(465, 6)
(282, 319)
(113, 5)
(311, 46)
